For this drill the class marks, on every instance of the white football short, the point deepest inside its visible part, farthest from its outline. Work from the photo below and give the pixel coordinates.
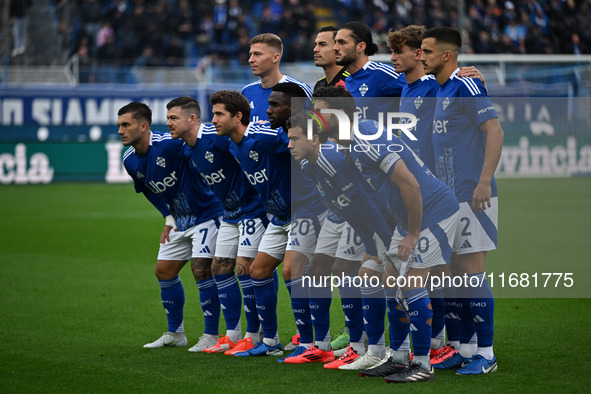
(196, 242)
(339, 240)
(240, 239)
(303, 234)
(433, 248)
(274, 240)
(477, 232)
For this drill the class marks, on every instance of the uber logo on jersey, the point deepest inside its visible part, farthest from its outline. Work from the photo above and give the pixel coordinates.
(159, 187)
(342, 201)
(257, 177)
(440, 126)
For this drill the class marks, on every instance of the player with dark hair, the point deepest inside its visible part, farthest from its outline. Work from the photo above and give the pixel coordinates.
(307, 216)
(265, 55)
(191, 212)
(324, 56)
(353, 46)
(425, 211)
(467, 143)
(242, 227)
(418, 98)
(264, 158)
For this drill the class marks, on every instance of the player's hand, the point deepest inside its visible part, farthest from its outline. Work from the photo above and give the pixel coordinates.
(471, 72)
(481, 197)
(406, 246)
(165, 236)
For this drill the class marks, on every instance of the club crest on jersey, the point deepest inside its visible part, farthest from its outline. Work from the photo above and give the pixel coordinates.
(139, 175)
(209, 156)
(358, 165)
(418, 102)
(445, 103)
(253, 155)
(161, 162)
(363, 89)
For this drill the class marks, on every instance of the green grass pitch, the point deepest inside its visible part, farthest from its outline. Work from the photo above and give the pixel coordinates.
(79, 299)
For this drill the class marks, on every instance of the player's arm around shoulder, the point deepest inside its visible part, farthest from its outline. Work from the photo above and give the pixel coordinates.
(492, 155)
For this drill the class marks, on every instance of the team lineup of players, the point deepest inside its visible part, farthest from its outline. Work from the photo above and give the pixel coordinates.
(262, 185)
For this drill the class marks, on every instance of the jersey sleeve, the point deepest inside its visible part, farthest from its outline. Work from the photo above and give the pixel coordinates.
(475, 100)
(160, 205)
(376, 154)
(393, 86)
(272, 140)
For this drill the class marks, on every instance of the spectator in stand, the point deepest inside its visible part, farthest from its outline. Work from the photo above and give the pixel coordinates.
(205, 27)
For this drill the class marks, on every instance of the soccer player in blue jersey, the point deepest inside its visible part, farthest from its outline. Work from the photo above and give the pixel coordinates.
(192, 217)
(353, 46)
(418, 98)
(336, 245)
(425, 211)
(308, 214)
(340, 248)
(324, 56)
(265, 160)
(241, 230)
(265, 55)
(467, 142)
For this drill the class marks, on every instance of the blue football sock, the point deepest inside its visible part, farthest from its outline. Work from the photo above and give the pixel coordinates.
(467, 327)
(398, 321)
(173, 301)
(482, 307)
(421, 314)
(276, 280)
(438, 305)
(250, 307)
(374, 313)
(210, 304)
(452, 313)
(266, 306)
(352, 308)
(230, 299)
(300, 307)
(320, 300)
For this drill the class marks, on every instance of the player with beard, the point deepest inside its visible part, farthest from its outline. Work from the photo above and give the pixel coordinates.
(380, 82)
(324, 56)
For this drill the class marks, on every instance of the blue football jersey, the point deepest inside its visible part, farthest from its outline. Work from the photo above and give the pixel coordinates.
(458, 143)
(418, 98)
(376, 159)
(168, 182)
(258, 97)
(305, 200)
(211, 159)
(266, 161)
(379, 82)
(346, 193)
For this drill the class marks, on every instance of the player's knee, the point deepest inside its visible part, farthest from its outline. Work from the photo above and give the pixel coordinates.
(223, 265)
(201, 269)
(261, 271)
(286, 272)
(318, 268)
